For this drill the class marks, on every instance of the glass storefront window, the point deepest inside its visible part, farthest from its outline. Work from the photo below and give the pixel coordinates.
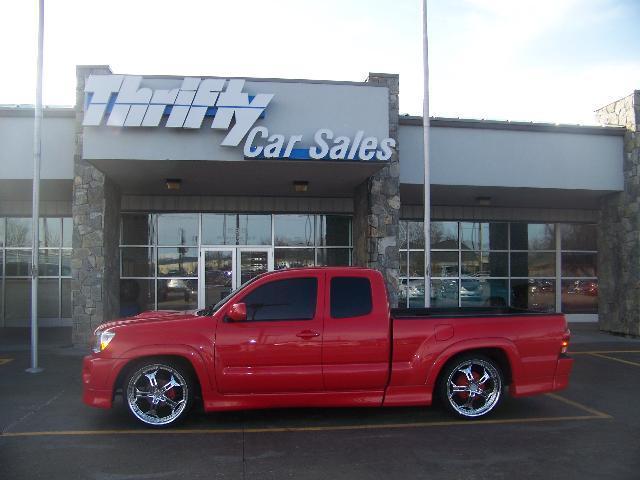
(67, 232)
(533, 236)
(444, 293)
(443, 264)
(219, 229)
(48, 262)
(65, 267)
(482, 292)
(136, 296)
(65, 298)
(534, 294)
(18, 232)
(177, 294)
(333, 230)
(484, 236)
(577, 236)
(533, 264)
(416, 235)
(444, 235)
(579, 265)
(50, 232)
(294, 230)
(416, 262)
(137, 229)
(48, 296)
(177, 262)
(18, 310)
(18, 263)
(580, 296)
(137, 262)
(254, 229)
(2, 220)
(485, 264)
(178, 229)
(333, 257)
(293, 258)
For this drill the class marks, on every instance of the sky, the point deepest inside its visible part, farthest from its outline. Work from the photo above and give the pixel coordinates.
(527, 60)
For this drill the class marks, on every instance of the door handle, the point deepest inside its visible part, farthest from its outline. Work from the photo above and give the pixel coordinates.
(307, 334)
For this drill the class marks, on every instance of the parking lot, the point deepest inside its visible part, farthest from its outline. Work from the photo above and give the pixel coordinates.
(591, 430)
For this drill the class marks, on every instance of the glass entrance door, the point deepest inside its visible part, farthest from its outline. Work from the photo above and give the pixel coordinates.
(217, 274)
(223, 269)
(253, 262)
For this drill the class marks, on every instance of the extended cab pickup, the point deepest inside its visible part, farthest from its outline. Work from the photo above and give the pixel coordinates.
(323, 337)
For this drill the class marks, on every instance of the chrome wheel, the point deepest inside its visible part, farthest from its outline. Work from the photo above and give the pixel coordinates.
(473, 387)
(157, 394)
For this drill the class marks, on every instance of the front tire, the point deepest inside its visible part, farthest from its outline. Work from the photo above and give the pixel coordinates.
(471, 386)
(159, 394)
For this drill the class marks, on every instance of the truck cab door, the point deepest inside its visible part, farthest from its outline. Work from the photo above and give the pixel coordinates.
(356, 347)
(278, 348)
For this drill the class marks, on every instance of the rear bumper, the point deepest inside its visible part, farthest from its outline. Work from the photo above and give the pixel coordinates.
(563, 370)
(97, 381)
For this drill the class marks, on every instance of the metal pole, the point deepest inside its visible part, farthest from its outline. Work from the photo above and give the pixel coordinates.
(427, 165)
(35, 242)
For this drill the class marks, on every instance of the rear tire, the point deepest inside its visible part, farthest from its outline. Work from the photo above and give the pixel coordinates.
(471, 386)
(159, 393)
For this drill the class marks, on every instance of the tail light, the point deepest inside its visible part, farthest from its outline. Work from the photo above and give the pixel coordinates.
(565, 341)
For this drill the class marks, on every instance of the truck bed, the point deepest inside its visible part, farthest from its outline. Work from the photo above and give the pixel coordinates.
(457, 312)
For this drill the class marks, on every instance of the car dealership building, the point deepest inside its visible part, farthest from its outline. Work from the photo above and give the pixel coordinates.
(163, 192)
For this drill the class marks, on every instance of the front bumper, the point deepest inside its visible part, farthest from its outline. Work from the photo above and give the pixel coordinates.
(98, 378)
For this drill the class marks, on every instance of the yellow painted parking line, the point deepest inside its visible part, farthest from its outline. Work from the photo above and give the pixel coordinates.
(210, 431)
(607, 357)
(573, 403)
(600, 352)
(4, 361)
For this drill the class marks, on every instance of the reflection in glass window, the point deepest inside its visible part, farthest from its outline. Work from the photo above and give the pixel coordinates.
(137, 262)
(50, 232)
(533, 236)
(415, 292)
(333, 230)
(533, 264)
(294, 230)
(137, 229)
(65, 298)
(484, 236)
(485, 264)
(403, 226)
(293, 258)
(219, 229)
(178, 229)
(482, 292)
(580, 296)
(136, 296)
(333, 257)
(444, 235)
(65, 263)
(254, 229)
(18, 232)
(18, 263)
(177, 294)
(579, 265)
(67, 232)
(2, 220)
(578, 236)
(177, 262)
(444, 293)
(18, 309)
(416, 235)
(48, 262)
(48, 298)
(443, 264)
(534, 294)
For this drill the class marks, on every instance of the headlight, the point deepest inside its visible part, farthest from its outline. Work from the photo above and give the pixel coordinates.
(102, 340)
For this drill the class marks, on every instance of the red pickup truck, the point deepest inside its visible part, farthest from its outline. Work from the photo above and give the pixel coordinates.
(323, 337)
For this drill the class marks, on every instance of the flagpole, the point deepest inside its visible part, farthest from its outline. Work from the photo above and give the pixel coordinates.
(35, 239)
(427, 165)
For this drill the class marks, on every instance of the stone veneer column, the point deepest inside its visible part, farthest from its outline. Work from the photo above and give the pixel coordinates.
(95, 270)
(377, 205)
(619, 229)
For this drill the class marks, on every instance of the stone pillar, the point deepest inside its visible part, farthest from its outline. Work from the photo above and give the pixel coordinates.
(95, 270)
(619, 229)
(377, 205)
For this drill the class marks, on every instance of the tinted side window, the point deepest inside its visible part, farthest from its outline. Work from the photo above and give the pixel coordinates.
(350, 297)
(293, 299)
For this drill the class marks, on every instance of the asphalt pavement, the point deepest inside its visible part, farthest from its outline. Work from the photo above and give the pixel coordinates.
(591, 430)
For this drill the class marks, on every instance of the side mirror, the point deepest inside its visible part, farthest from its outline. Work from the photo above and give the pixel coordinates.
(238, 312)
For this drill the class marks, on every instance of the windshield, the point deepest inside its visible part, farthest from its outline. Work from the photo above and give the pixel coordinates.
(214, 308)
